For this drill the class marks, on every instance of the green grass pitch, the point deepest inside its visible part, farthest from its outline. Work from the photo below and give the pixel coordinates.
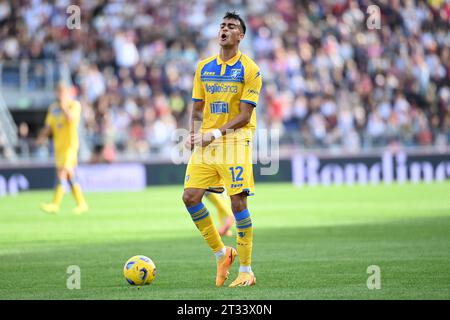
(309, 243)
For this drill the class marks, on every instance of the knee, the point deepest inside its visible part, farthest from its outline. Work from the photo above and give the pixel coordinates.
(238, 205)
(70, 175)
(61, 176)
(64, 174)
(191, 198)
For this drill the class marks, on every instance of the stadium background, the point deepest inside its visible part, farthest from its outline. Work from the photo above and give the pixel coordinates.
(329, 82)
(349, 104)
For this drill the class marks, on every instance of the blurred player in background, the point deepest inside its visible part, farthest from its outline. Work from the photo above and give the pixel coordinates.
(226, 219)
(226, 91)
(62, 120)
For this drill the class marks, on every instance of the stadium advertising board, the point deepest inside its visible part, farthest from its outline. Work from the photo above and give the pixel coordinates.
(92, 177)
(15, 179)
(302, 169)
(112, 177)
(309, 169)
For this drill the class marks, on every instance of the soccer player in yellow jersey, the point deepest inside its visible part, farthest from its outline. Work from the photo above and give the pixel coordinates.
(226, 219)
(63, 117)
(223, 121)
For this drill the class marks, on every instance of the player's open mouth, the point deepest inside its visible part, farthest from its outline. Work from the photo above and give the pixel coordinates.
(223, 36)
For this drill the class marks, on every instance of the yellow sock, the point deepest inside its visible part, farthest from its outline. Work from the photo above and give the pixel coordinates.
(223, 209)
(59, 194)
(204, 223)
(244, 237)
(77, 194)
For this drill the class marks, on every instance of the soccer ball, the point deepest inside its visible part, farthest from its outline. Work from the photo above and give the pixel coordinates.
(139, 270)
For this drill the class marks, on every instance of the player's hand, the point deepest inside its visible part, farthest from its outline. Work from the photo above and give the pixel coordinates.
(189, 142)
(39, 142)
(203, 139)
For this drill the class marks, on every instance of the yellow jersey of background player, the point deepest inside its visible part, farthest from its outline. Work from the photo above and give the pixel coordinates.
(225, 94)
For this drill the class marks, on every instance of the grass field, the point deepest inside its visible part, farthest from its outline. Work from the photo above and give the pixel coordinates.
(309, 243)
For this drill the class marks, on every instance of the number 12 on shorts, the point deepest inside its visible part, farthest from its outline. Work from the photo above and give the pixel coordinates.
(236, 173)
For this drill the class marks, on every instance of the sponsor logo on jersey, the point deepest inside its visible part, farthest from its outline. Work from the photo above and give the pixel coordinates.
(219, 107)
(220, 88)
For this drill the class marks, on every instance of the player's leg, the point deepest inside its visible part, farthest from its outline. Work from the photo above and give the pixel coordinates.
(201, 176)
(58, 194)
(192, 198)
(224, 211)
(68, 162)
(237, 172)
(244, 240)
(77, 193)
(198, 178)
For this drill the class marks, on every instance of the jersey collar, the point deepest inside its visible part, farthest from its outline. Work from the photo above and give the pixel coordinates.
(231, 61)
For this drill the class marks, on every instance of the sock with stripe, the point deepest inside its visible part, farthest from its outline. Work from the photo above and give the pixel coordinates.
(59, 192)
(223, 209)
(77, 193)
(203, 221)
(244, 238)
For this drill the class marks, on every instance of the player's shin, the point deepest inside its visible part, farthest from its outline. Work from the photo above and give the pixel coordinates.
(244, 239)
(224, 210)
(204, 223)
(220, 203)
(76, 192)
(59, 192)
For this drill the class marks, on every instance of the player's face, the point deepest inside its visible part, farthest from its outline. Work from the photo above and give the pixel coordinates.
(61, 93)
(230, 33)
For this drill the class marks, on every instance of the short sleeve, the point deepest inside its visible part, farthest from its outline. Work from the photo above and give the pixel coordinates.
(198, 93)
(252, 87)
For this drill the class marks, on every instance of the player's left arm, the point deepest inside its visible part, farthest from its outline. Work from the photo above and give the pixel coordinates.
(71, 111)
(249, 100)
(241, 120)
(66, 112)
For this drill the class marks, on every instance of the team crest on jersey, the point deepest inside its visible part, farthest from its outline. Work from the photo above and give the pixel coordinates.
(56, 112)
(235, 73)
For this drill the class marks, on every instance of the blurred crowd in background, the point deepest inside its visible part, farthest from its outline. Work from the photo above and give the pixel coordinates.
(328, 80)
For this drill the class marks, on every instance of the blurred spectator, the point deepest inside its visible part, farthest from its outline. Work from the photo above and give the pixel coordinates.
(125, 50)
(24, 140)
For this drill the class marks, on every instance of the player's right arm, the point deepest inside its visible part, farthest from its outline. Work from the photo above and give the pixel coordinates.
(195, 122)
(43, 135)
(198, 98)
(47, 130)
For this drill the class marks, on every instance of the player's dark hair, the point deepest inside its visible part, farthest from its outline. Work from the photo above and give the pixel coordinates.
(234, 15)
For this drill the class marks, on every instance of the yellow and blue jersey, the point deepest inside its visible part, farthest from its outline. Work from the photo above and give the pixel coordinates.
(223, 86)
(65, 133)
